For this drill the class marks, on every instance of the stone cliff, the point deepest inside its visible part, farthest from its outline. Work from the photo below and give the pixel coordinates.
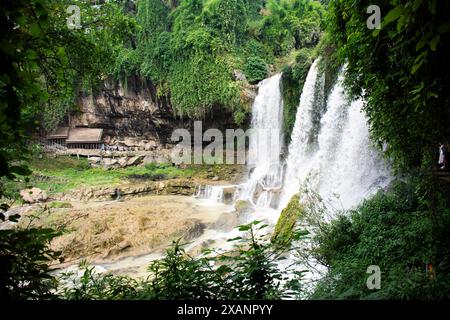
(135, 109)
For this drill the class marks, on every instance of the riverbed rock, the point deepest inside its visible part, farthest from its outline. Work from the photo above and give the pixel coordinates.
(194, 230)
(287, 221)
(183, 187)
(228, 194)
(33, 195)
(243, 206)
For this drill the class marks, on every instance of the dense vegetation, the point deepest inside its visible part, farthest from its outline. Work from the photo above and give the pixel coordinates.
(401, 232)
(190, 49)
(400, 70)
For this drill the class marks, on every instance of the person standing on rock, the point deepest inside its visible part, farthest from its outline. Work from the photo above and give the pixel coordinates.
(443, 156)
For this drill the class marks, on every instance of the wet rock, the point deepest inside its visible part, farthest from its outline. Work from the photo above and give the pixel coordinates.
(287, 221)
(33, 195)
(243, 206)
(228, 194)
(227, 222)
(198, 249)
(194, 231)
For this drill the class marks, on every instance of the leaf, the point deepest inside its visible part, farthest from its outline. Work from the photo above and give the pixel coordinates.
(35, 30)
(444, 28)
(244, 228)
(423, 41)
(434, 42)
(432, 6)
(416, 4)
(401, 22)
(393, 15)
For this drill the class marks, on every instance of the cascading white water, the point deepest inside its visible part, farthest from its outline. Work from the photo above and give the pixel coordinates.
(211, 193)
(266, 142)
(263, 187)
(330, 149)
(341, 165)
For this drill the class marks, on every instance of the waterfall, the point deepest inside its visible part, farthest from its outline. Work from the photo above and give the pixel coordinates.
(266, 141)
(211, 193)
(330, 149)
(264, 185)
(341, 165)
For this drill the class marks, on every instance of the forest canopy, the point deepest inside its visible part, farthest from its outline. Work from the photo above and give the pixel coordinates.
(190, 48)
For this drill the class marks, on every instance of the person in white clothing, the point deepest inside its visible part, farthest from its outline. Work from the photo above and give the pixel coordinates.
(442, 156)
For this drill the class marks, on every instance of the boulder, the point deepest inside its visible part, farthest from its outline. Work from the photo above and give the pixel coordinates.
(228, 194)
(110, 163)
(135, 161)
(195, 230)
(123, 162)
(283, 233)
(33, 195)
(243, 206)
(94, 160)
(239, 75)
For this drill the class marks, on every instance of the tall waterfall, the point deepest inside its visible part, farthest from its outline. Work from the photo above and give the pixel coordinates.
(341, 164)
(330, 150)
(266, 141)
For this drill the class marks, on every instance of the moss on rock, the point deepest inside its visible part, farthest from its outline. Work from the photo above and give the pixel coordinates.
(283, 232)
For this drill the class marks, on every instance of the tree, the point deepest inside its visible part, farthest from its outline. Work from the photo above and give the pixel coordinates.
(400, 71)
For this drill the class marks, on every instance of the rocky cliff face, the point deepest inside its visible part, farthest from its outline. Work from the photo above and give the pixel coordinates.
(131, 109)
(134, 109)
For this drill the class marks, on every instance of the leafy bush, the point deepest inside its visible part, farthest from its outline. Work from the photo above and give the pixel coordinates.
(400, 70)
(24, 260)
(255, 69)
(400, 232)
(250, 271)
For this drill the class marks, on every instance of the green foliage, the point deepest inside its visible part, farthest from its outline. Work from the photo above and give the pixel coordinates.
(400, 70)
(294, 77)
(45, 65)
(255, 69)
(401, 231)
(93, 286)
(248, 272)
(291, 24)
(24, 260)
(190, 50)
(286, 224)
(179, 276)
